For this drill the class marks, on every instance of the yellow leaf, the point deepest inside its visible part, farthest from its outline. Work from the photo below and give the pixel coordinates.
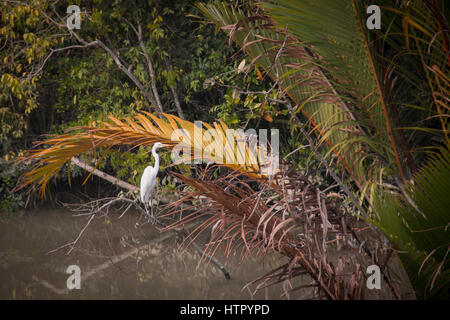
(144, 129)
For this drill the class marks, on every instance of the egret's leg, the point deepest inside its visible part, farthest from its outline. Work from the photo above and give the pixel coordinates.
(151, 205)
(146, 208)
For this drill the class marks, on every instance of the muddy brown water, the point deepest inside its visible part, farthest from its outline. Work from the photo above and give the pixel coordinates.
(159, 271)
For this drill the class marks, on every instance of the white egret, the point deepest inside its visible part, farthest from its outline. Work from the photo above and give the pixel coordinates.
(148, 180)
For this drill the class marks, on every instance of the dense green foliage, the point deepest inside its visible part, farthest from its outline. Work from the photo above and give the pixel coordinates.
(422, 232)
(50, 82)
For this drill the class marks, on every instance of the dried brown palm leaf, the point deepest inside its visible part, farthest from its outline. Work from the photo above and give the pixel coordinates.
(242, 213)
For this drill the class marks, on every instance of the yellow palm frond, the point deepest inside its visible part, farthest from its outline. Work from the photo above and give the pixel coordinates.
(143, 130)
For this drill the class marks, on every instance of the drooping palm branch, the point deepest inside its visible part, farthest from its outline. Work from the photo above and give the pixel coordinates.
(239, 217)
(296, 70)
(145, 130)
(421, 234)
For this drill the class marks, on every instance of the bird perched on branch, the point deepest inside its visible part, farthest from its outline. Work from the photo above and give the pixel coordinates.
(148, 180)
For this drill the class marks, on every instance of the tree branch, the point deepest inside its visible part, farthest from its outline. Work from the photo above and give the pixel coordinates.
(105, 176)
(151, 72)
(122, 66)
(175, 94)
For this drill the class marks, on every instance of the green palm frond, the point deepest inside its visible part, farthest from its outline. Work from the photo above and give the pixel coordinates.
(286, 60)
(422, 234)
(418, 37)
(337, 33)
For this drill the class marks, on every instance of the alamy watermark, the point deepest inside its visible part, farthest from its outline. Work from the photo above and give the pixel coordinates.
(234, 147)
(374, 20)
(374, 280)
(74, 280)
(74, 20)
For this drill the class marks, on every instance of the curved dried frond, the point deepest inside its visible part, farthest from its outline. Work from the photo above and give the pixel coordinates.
(217, 144)
(293, 218)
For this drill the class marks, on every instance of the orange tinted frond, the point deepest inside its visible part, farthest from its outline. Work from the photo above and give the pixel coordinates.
(144, 129)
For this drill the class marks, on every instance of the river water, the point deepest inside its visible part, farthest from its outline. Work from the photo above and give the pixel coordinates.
(158, 270)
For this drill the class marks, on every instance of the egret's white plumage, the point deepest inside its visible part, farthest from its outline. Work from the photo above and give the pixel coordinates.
(148, 180)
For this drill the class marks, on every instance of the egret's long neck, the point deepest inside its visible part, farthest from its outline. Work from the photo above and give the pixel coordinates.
(155, 155)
